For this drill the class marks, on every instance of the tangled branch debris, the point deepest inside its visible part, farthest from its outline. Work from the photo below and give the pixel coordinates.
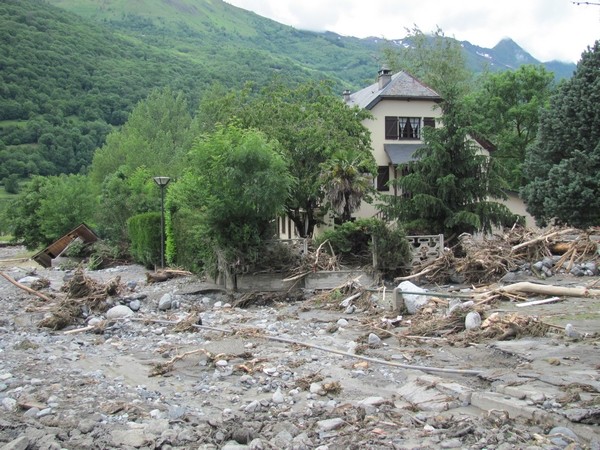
(81, 291)
(485, 260)
(188, 323)
(350, 292)
(163, 368)
(318, 260)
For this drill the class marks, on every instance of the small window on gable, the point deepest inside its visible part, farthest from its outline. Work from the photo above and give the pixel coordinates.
(383, 178)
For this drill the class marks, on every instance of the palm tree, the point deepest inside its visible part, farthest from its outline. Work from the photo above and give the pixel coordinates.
(347, 179)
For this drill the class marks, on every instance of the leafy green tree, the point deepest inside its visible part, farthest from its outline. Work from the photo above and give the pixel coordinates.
(347, 179)
(237, 182)
(23, 214)
(47, 208)
(506, 111)
(68, 200)
(123, 194)
(156, 136)
(434, 59)
(562, 166)
(220, 106)
(450, 184)
(11, 184)
(312, 124)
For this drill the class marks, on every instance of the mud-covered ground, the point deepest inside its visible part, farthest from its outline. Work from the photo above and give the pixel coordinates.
(291, 372)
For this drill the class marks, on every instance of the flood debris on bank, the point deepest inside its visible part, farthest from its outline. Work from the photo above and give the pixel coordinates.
(180, 364)
(518, 251)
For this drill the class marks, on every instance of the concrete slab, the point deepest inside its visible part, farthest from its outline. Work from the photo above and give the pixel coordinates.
(494, 401)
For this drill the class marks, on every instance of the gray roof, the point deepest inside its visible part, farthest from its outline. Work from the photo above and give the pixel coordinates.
(401, 153)
(401, 86)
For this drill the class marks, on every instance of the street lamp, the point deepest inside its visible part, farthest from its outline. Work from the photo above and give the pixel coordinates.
(162, 184)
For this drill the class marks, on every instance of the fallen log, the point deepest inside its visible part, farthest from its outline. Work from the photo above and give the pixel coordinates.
(14, 260)
(25, 288)
(164, 275)
(545, 289)
(542, 238)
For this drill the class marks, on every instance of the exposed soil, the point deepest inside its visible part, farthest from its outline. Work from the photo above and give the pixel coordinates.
(286, 371)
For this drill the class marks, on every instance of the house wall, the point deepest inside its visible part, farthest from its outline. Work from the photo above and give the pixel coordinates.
(376, 125)
(517, 206)
(399, 108)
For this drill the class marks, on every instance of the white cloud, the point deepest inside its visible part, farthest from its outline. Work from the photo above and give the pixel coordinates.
(548, 29)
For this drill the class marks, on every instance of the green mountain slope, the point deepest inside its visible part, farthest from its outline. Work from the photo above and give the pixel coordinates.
(352, 59)
(207, 28)
(65, 80)
(70, 70)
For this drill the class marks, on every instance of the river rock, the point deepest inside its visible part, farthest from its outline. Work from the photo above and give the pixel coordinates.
(413, 301)
(165, 302)
(473, 321)
(330, 424)
(374, 341)
(119, 312)
(20, 443)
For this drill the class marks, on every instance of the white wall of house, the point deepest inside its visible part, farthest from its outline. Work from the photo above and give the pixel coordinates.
(376, 126)
(517, 206)
(398, 108)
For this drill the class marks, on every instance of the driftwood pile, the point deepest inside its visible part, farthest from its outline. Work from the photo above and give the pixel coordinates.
(82, 293)
(315, 261)
(485, 260)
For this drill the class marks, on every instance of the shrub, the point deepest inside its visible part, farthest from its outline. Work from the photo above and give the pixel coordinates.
(144, 233)
(11, 184)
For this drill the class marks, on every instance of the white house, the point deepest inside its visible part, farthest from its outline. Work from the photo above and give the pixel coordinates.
(401, 107)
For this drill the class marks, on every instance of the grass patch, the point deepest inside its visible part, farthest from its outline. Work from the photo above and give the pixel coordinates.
(13, 123)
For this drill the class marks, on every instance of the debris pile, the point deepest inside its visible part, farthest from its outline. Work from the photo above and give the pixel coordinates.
(486, 259)
(83, 295)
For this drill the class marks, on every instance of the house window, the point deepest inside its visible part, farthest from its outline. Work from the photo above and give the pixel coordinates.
(429, 122)
(383, 177)
(397, 128)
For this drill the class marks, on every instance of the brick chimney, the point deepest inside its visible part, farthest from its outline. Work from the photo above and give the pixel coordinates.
(384, 76)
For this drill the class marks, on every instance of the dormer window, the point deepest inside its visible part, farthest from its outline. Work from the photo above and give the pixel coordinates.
(397, 128)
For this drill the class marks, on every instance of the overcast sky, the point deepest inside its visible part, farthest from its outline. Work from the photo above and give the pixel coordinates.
(547, 29)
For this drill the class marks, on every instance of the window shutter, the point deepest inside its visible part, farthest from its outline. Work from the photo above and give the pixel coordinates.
(383, 177)
(391, 128)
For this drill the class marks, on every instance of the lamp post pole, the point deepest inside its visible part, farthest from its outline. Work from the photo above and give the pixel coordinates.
(162, 184)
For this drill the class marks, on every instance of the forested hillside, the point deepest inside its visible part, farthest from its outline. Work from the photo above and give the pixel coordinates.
(65, 81)
(68, 77)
